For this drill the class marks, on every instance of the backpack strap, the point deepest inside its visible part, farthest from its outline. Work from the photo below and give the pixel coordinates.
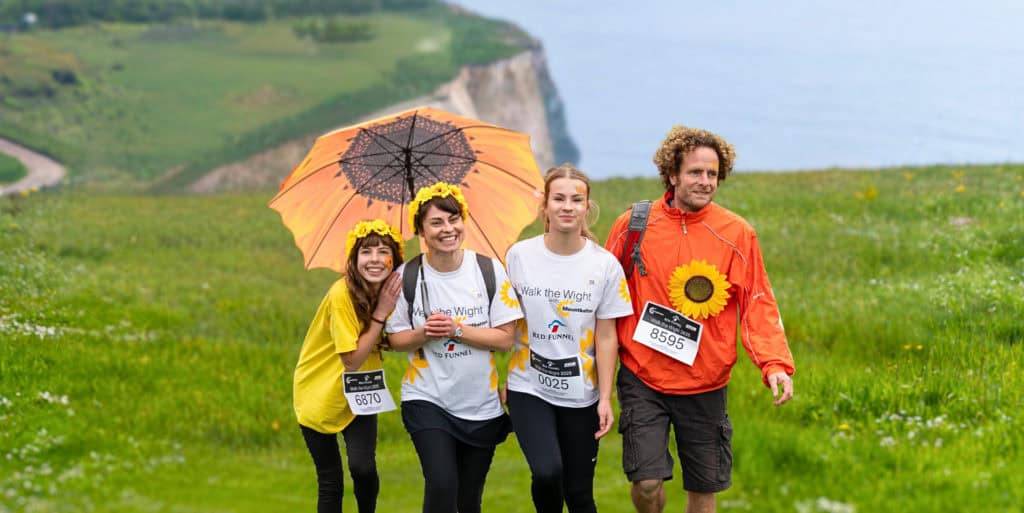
(630, 256)
(409, 277)
(487, 270)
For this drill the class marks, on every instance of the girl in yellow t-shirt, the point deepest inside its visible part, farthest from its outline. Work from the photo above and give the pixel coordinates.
(345, 335)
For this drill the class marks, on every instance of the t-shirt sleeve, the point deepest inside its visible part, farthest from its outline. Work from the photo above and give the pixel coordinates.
(399, 320)
(345, 326)
(503, 311)
(615, 300)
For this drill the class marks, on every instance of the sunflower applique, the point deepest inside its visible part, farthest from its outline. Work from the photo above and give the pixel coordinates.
(510, 300)
(494, 373)
(521, 357)
(624, 290)
(698, 290)
(589, 372)
(419, 361)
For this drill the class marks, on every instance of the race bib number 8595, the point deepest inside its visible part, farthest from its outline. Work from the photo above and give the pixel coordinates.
(669, 332)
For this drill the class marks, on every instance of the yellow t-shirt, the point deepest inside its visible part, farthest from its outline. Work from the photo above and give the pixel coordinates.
(318, 397)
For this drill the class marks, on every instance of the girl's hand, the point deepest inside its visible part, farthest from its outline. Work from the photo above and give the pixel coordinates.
(389, 292)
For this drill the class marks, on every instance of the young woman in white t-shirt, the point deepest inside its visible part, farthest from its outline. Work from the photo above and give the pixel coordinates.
(450, 404)
(560, 376)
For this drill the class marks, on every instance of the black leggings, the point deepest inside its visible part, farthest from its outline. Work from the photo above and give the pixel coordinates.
(561, 450)
(453, 472)
(361, 448)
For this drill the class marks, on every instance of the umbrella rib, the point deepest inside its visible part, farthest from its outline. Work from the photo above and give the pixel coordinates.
(483, 234)
(462, 129)
(299, 181)
(328, 230)
(507, 172)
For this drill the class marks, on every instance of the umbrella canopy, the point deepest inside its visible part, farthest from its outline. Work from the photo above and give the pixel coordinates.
(373, 170)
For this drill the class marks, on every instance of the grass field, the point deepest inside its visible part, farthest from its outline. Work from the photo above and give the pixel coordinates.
(122, 104)
(11, 169)
(147, 346)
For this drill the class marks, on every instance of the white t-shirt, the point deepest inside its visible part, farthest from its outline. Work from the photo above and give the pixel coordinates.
(562, 297)
(461, 379)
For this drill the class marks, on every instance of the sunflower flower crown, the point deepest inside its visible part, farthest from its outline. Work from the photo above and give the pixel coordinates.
(438, 190)
(364, 228)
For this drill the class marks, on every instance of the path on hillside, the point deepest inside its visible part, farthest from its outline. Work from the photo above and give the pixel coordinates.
(42, 170)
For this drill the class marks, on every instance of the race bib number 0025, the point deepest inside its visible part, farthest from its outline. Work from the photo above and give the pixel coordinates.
(560, 378)
(367, 392)
(669, 332)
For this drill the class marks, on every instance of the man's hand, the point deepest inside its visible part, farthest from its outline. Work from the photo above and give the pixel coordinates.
(781, 378)
(605, 418)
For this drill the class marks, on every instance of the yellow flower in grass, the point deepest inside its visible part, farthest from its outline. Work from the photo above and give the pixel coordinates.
(698, 290)
(589, 371)
(521, 357)
(624, 290)
(510, 300)
(419, 361)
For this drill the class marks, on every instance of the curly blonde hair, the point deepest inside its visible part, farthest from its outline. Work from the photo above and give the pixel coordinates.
(681, 140)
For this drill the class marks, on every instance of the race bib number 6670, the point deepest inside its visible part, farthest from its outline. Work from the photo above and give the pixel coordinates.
(669, 332)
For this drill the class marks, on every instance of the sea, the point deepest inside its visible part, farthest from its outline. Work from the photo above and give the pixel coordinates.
(794, 85)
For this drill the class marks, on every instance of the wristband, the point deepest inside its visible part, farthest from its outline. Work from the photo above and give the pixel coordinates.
(372, 318)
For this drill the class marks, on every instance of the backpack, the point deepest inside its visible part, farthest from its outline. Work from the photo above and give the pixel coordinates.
(412, 269)
(630, 256)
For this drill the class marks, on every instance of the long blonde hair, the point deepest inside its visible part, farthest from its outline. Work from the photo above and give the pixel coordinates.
(571, 172)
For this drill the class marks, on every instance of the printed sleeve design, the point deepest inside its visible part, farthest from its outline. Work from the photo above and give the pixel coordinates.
(589, 371)
(417, 361)
(494, 373)
(521, 357)
(510, 299)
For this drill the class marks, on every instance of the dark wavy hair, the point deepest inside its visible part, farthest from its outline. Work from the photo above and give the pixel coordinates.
(681, 140)
(445, 203)
(364, 297)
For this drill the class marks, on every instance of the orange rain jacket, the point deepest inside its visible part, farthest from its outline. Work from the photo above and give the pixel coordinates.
(715, 234)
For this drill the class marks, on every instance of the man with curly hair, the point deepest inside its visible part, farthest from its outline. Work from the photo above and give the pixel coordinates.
(695, 275)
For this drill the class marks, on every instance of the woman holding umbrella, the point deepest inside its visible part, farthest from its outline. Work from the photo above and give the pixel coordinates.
(561, 374)
(345, 336)
(451, 328)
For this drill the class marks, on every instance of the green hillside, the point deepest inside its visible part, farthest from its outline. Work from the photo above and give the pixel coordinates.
(125, 104)
(147, 345)
(11, 169)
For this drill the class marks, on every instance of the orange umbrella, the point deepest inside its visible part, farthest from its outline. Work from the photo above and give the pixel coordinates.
(373, 170)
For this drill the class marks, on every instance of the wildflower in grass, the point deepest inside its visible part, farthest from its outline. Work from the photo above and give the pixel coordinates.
(844, 427)
(957, 175)
(908, 176)
(275, 425)
(960, 187)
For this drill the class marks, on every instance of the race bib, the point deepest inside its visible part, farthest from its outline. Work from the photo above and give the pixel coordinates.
(561, 378)
(669, 332)
(367, 392)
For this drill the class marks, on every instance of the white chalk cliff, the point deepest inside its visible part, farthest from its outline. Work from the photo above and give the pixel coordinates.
(516, 93)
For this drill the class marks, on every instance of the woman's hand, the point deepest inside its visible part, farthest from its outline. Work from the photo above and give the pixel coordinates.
(388, 297)
(439, 325)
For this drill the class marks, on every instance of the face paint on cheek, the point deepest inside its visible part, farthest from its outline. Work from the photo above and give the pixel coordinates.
(388, 262)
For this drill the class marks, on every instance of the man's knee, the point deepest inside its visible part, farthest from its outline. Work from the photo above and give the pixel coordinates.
(649, 488)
